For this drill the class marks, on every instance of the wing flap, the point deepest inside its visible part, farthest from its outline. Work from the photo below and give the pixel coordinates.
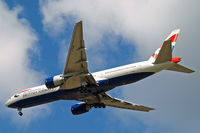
(89, 78)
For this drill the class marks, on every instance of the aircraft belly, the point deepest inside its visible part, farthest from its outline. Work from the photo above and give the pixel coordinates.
(82, 92)
(104, 85)
(37, 100)
(126, 79)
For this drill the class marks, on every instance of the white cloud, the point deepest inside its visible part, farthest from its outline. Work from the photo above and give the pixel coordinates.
(29, 115)
(17, 40)
(146, 23)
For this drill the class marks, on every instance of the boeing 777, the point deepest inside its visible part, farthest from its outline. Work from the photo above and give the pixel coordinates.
(77, 83)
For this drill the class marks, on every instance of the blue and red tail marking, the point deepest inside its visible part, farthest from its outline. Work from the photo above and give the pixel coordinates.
(173, 37)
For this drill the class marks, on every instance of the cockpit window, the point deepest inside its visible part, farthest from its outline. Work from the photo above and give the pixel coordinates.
(16, 95)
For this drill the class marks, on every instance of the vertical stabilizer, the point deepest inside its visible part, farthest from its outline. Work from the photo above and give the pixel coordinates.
(172, 37)
(165, 52)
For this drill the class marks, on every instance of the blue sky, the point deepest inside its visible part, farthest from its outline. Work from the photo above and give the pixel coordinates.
(39, 34)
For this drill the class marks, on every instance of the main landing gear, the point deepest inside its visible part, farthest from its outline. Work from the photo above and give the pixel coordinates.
(99, 105)
(20, 111)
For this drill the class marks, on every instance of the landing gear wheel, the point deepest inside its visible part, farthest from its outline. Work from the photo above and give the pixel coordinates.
(20, 113)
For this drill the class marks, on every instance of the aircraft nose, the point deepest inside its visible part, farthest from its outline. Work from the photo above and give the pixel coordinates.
(7, 104)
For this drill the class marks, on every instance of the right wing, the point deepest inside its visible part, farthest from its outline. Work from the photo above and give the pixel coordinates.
(117, 103)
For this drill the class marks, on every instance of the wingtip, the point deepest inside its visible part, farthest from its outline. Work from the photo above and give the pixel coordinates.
(148, 109)
(80, 22)
(192, 71)
(151, 109)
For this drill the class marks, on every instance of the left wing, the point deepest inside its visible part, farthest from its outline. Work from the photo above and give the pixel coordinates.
(76, 60)
(118, 103)
(76, 67)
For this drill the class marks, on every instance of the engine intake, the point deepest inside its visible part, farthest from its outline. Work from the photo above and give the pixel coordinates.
(55, 81)
(80, 108)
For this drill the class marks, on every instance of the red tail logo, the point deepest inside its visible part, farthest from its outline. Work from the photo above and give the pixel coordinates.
(176, 59)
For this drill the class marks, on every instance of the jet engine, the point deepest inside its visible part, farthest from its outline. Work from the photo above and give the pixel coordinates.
(80, 108)
(54, 81)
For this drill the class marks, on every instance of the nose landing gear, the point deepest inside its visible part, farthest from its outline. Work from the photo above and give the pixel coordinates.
(20, 111)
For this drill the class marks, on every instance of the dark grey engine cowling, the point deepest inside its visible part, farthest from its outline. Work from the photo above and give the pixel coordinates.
(55, 81)
(80, 108)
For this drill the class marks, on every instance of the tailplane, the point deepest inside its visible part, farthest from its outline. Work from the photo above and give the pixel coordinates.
(180, 68)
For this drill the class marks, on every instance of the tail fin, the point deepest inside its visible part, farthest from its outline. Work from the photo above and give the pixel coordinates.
(171, 38)
(164, 53)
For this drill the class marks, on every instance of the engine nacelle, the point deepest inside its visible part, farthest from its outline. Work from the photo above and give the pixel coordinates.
(54, 81)
(80, 108)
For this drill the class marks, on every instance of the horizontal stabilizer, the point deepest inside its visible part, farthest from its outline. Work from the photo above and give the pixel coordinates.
(180, 68)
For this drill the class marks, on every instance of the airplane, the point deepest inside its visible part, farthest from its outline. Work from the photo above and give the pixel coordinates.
(77, 83)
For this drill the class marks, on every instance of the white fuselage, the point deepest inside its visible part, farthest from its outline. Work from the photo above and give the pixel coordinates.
(42, 94)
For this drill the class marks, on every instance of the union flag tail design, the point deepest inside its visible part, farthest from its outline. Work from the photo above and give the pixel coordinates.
(164, 54)
(173, 37)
